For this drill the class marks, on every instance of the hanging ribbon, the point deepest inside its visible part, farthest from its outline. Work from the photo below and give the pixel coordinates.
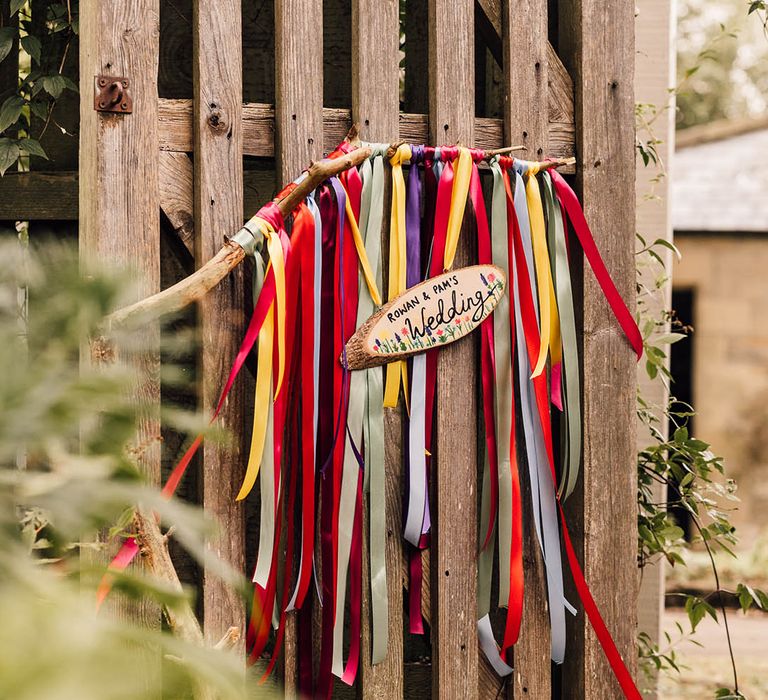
(250, 242)
(570, 391)
(416, 501)
(550, 329)
(371, 219)
(397, 265)
(576, 215)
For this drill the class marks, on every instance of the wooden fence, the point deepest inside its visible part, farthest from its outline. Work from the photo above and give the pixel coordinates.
(232, 99)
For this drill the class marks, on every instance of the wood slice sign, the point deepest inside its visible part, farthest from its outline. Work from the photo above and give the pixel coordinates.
(436, 312)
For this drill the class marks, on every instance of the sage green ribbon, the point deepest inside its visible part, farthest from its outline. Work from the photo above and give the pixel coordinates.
(373, 207)
(485, 558)
(571, 436)
(503, 379)
(364, 417)
(485, 634)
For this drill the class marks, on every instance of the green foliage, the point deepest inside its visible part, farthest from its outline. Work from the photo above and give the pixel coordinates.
(690, 473)
(44, 47)
(722, 61)
(69, 467)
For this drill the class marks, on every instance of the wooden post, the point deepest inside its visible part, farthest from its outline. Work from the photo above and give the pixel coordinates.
(598, 47)
(526, 92)
(375, 109)
(299, 94)
(118, 193)
(218, 209)
(454, 538)
(298, 140)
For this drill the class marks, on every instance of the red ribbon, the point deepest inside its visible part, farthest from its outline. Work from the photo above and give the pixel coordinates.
(571, 205)
(531, 330)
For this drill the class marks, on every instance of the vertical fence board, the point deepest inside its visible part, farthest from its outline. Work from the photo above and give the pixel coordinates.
(375, 109)
(298, 140)
(299, 85)
(218, 209)
(454, 540)
(598, 42)
(526, 121)
(118, 192)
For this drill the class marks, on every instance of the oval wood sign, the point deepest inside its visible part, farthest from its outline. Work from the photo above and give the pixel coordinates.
(436, 312)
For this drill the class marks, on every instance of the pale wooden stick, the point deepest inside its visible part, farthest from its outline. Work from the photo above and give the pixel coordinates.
(181, 619)
(198, 284)
(556, 163)
(502, 151)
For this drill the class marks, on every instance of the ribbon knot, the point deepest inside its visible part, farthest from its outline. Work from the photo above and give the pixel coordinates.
(449, 153)
(377, 149)
(417, 154)
(401, 155)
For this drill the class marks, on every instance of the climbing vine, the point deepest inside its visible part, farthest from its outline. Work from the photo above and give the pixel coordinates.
(41, 44)
(681, 466)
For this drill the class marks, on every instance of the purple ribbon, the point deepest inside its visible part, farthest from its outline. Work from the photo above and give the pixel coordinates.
(413, 219)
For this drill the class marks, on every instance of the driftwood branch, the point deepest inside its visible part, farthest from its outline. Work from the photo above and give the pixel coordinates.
(181, 618)
(198, 284)
(154, 550)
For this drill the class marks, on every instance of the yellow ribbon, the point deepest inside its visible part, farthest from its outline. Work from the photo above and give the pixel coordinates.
(461, 178)
(397, 264)
(266, 344)
(362, 256)
(550, 321)
(260, 405)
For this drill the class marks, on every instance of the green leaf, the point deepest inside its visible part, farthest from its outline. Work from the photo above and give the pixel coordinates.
(668, 244)
(9, 154)
(54, 85)
(7, 35)
(16, 5)
(670, 338)
(10, 111)
(70, 84)
(33, 148)
(39, 108)
(745, 599)
(681, 434)
(31, 44)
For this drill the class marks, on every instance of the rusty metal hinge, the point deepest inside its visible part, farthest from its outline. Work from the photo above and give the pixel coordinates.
(112, 94)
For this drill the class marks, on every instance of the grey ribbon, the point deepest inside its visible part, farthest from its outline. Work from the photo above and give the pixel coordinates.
(571, 390)
(542, 486)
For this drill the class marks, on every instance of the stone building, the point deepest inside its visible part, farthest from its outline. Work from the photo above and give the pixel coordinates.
(719, 198)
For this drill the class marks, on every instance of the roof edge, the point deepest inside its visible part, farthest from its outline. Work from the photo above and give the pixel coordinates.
(718, 131)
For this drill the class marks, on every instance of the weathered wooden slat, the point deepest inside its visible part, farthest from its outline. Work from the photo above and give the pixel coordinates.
(119, 214)
(598, 44)
(525, 87)
(298, 118)
(218, 210)
(175, 125)
(375, 108)
(560, 97)
(454, 535)
(176, 195)
(38, 196)
(298, 140)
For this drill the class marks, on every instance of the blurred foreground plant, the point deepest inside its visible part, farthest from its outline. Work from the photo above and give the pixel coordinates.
(67, 470)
